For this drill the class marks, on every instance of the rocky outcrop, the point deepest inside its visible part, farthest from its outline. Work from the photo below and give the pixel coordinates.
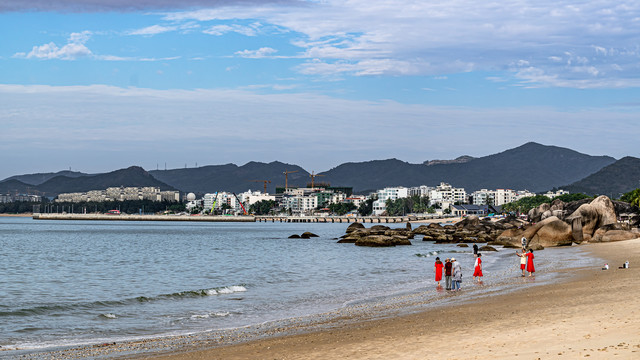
(589, 220)
(382, 241)
(487, 248)
(376, 236)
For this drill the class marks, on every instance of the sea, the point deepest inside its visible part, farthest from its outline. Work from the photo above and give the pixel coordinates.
(78, 283)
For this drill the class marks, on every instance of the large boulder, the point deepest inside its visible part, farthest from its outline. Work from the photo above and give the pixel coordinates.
(606, 210)
(602, 235)
(382, 241)
(308, 234)
(355, 226)
(535, 214)
(553, 233)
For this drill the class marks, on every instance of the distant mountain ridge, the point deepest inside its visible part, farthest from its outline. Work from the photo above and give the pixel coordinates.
(133, 176)
(531, 166)
(612, 180)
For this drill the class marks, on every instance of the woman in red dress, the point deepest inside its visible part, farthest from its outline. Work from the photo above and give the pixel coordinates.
(438, 268)
(477, 272)
(530, 268)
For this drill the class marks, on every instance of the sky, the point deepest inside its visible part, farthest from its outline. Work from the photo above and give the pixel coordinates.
(99, 85)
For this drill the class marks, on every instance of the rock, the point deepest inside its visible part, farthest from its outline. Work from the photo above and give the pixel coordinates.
(487, 248)
(463, 245)
(375, 241)
(353, 227)
(348, 240)
(305, 236)
(552, 233)
(379, 228)
(535, 214)
(294, 236)
(618, 235)
(605, 209)
(308, 234)
(434, 226)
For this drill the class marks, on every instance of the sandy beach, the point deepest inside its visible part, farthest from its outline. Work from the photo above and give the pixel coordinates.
(592, 316)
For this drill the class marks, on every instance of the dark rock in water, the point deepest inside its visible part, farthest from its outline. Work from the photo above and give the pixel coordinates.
(382, 241)
(382, 228)
(463, 245)
(409, 226)
(294, 236)
(487, 248)
(348, 240)
(305, 236)
(309, 234)
(353, 227)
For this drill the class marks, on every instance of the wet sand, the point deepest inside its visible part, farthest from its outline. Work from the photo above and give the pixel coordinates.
(592, 316)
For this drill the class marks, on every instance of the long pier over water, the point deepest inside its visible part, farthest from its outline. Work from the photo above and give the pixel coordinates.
(236, 218)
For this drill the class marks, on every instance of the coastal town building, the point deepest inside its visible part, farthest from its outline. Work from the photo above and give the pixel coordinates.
(223, 201)
(120, 194)
(498, 197)
(7, 198)
(422, 191)
(553, 194)
(445, 194)
(389, 193)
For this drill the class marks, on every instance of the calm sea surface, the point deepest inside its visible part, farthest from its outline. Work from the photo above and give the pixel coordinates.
(71, 283)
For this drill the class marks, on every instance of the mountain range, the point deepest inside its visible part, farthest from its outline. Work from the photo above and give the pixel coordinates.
(531, 166)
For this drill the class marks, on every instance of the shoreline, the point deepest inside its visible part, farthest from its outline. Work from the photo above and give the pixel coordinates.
(504, 325)
(591, 315)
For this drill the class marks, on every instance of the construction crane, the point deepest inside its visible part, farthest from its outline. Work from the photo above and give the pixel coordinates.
(313, 177)
(265, 183)
(286, 178)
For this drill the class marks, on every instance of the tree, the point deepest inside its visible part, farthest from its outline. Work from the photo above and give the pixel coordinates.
(262, 207)
(632, 197)
(341, 208)
(526, 203)
(366, 208)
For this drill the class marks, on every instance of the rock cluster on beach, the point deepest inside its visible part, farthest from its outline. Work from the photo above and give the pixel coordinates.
(469, 230)
(377, 235)
(563, 224)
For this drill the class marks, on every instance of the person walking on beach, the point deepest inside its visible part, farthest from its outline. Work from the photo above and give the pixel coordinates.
(477, 269)
(523, 259)
(475, 250)
(524, 242)
(438, 269)
(457, 274)
(530, 268)
(448, 271)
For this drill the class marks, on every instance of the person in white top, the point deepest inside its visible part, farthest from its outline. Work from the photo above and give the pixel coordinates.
(523, 259)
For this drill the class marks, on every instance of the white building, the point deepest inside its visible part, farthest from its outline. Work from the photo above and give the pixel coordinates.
(121, 194)
(445, 194)
(356, 200)
(421, 191)
(300, 204)
(499, 197)
(393, 193)
(219, 200)
(551, 194)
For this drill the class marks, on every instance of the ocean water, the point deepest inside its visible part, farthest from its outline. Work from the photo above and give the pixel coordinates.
(68, 283)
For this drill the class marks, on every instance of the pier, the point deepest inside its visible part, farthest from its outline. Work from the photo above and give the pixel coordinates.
(124, 217)
(234, 218)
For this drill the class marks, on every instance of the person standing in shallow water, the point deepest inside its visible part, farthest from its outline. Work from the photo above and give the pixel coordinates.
(477, 269)
(457, 274)
(438, 269)
(448, 271)
(530, 268)
(523, 260)
(475, 250)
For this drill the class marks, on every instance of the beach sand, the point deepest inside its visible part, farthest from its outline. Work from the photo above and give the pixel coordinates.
(592, 316)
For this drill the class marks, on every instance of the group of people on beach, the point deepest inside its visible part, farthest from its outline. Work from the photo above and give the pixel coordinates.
(453, 271)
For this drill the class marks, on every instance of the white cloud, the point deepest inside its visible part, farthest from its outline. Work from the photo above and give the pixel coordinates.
(256, 54)
(395, 37)
(219, 30)
(74, 49)
(153, 30)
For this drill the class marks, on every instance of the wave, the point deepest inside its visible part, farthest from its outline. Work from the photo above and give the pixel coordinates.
(91, 306)
(429, 254)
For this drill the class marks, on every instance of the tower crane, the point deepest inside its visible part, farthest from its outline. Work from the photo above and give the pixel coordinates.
(265, 183)
(286, 178)
(313, 177)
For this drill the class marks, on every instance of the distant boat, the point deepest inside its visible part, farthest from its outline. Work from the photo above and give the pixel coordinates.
(113, 212)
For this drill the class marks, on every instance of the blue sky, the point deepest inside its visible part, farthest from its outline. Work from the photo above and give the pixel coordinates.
(98, 85)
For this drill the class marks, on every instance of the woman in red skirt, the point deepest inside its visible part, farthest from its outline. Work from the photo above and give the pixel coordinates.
(477, 272)
(438, 269)
(530, 268)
